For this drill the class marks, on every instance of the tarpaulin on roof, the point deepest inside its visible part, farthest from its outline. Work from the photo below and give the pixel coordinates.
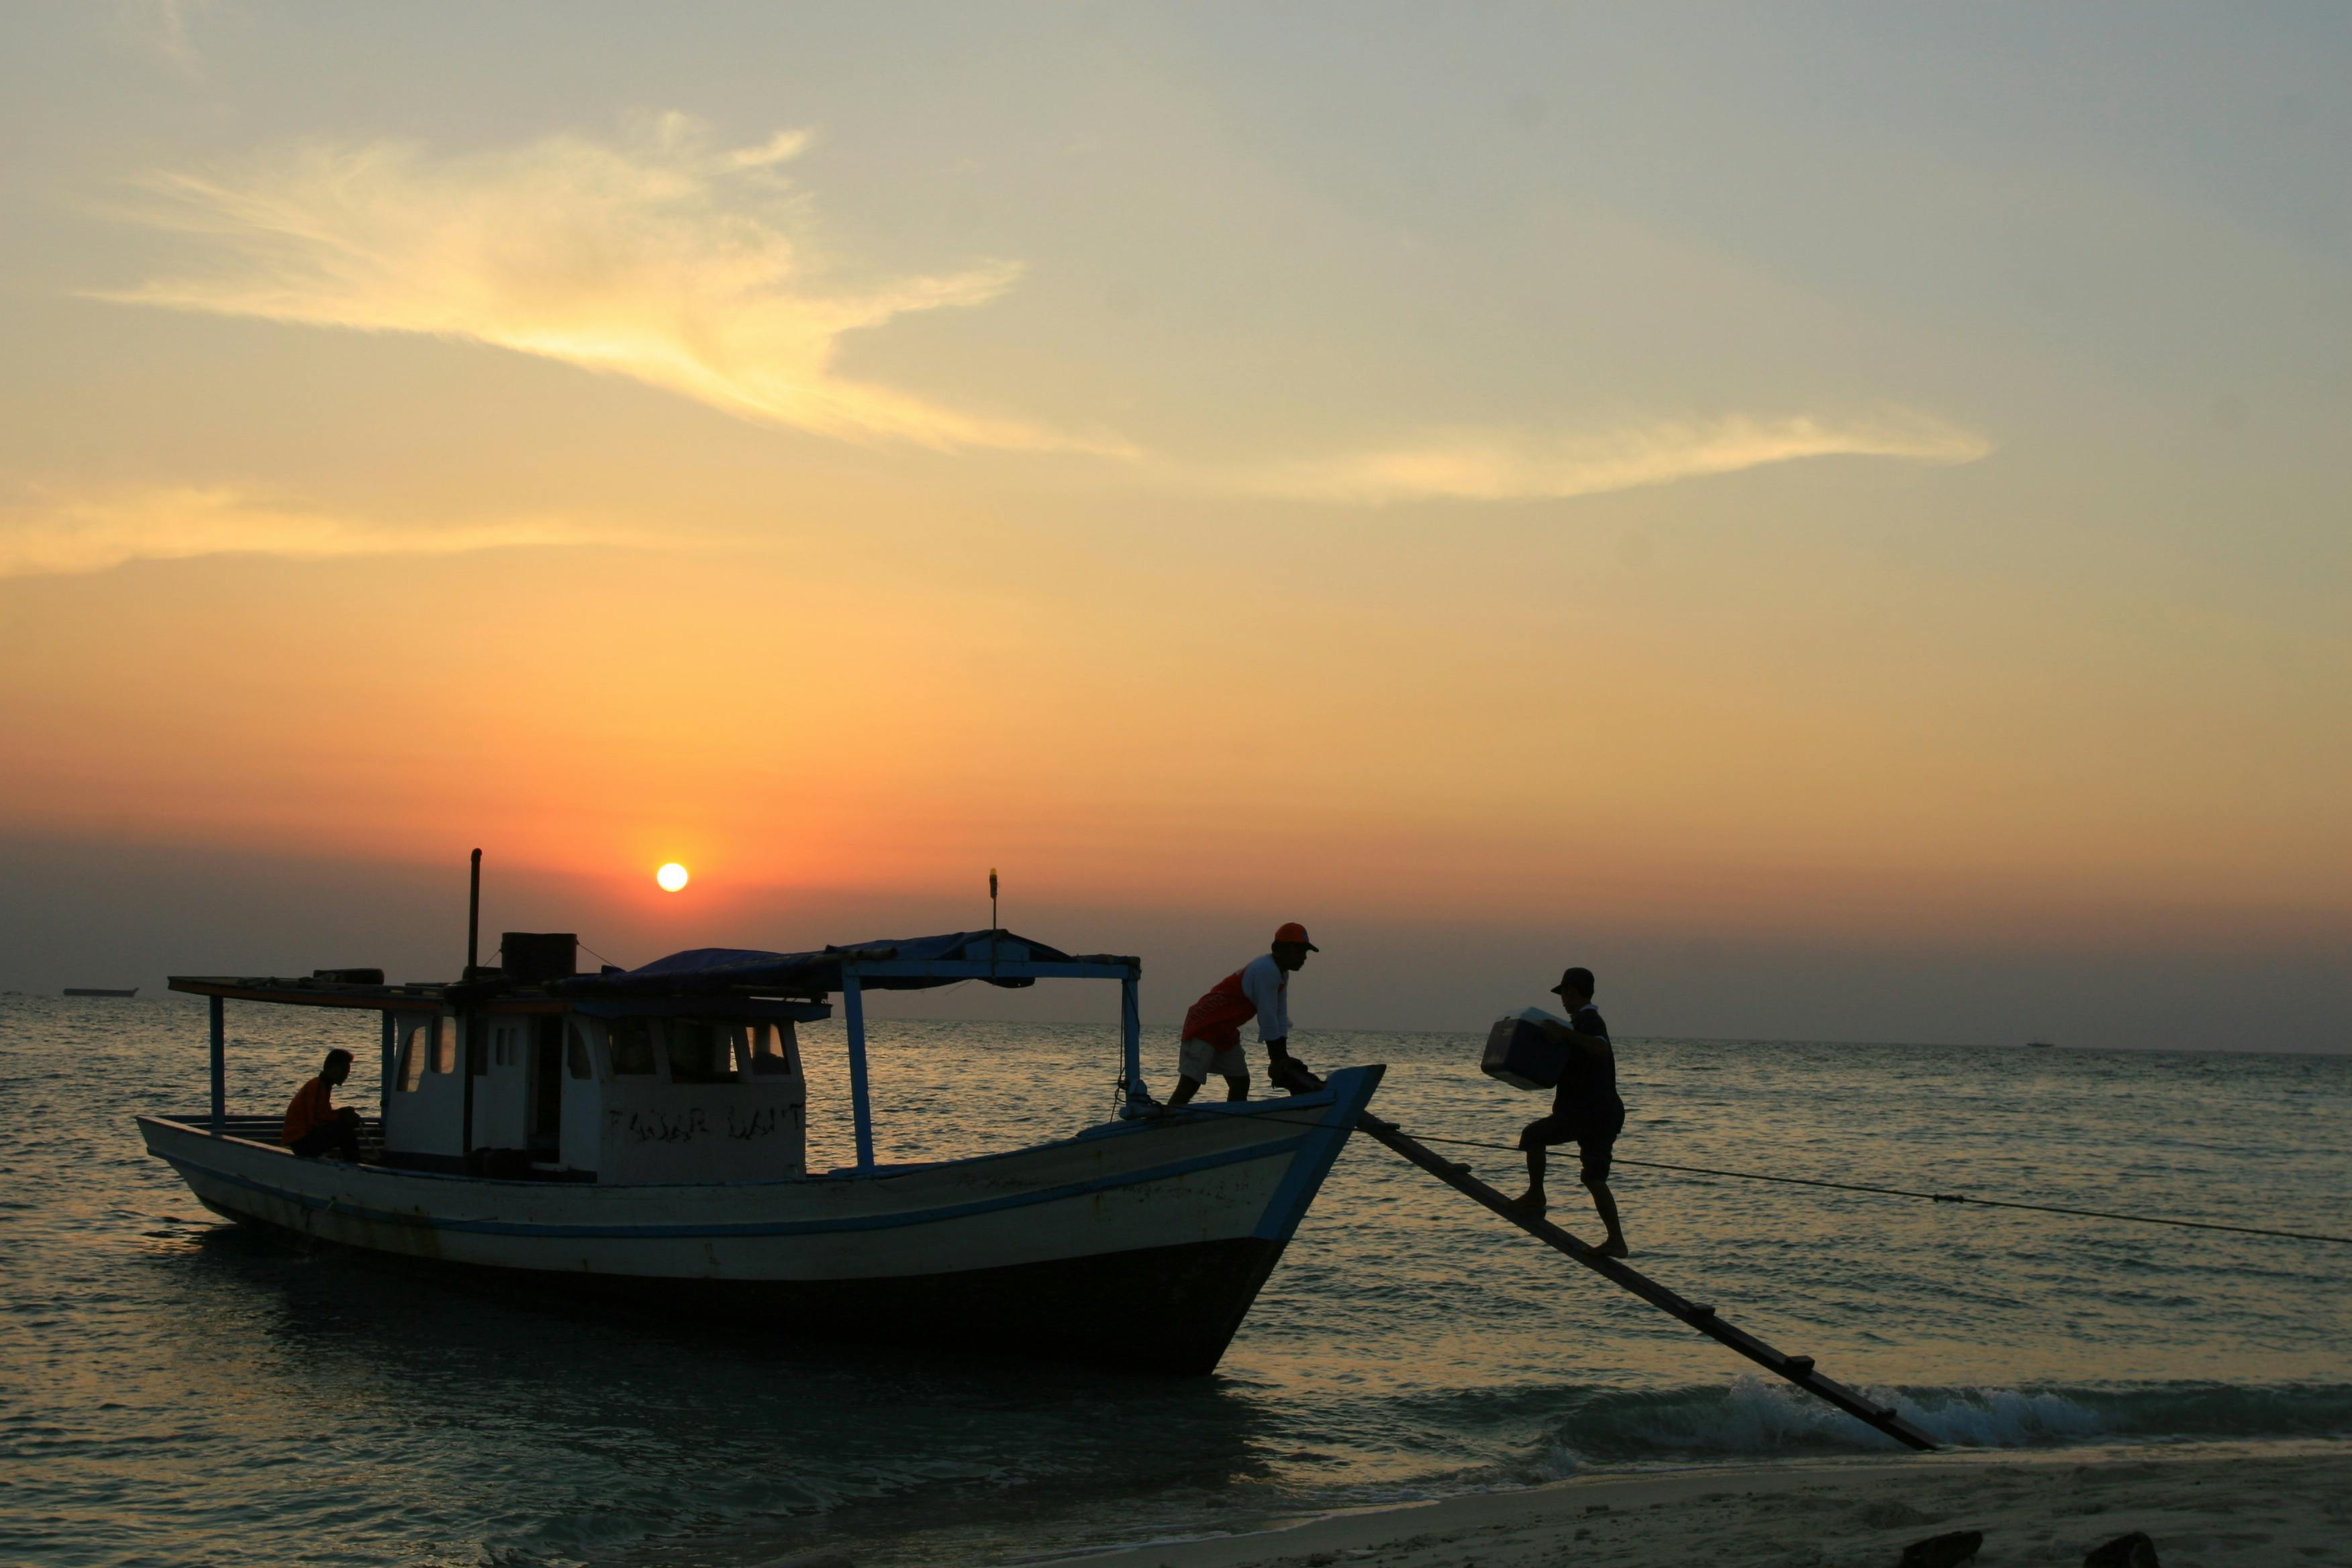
(705, 969)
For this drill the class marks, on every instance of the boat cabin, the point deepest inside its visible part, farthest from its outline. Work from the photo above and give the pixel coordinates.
(639, 1094)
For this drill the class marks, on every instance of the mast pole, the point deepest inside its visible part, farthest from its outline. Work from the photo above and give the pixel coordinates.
(474, 917)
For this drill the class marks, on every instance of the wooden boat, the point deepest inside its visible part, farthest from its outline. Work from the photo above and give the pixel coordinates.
(99, 991)
(641, 1135)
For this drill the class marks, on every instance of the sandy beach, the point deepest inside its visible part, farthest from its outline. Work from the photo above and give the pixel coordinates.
(2203, 1508)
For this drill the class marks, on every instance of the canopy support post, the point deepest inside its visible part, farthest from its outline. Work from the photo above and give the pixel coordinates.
(383, 1074)
(1131, 1047)
(861, 1108)
(220, 1066)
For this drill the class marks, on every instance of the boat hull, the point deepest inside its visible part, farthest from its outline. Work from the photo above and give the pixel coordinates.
(1157, 1310)
(1141, 1244)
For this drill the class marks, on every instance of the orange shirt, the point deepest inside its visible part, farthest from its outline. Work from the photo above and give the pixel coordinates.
(1217, 1018)
(312, 1108)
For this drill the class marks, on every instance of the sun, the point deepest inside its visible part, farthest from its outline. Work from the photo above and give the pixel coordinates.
(671, 877)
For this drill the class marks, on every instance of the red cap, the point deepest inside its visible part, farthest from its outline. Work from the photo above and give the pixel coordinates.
(1293, 931)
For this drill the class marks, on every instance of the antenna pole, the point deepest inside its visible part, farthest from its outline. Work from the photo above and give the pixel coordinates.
(993, 927)
(474, 917)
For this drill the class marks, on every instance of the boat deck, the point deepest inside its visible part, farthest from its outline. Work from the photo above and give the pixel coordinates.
(266, 1129)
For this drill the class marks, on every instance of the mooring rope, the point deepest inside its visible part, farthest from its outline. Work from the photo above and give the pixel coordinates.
(1898, 1192)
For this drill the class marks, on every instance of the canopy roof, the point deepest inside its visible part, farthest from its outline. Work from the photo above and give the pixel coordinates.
(998, 957)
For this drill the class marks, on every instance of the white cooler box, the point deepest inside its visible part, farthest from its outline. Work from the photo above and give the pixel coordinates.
(1522, 1054)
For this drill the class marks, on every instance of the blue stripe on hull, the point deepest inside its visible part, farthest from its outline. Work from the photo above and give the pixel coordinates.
(1351, 1091)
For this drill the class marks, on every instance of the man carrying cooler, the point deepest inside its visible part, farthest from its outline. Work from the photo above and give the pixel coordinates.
(1585, 1108)
(1260, 989)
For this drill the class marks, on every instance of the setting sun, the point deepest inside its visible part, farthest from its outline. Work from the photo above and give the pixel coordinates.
(671, 877)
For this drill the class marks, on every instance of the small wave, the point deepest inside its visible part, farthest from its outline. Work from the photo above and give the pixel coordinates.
(2006, 1417)
(1752, 1417)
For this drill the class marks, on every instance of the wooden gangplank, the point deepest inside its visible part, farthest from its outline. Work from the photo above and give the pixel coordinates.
(1797, 1369)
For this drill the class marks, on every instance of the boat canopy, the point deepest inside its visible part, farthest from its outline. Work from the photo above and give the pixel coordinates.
(909, 964)
(904, 963)
(723, 981)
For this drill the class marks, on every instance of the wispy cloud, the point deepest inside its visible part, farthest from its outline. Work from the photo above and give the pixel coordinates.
(48, 532)
(668, 257)
(662, 256)
(167, 27)
(1506, 465)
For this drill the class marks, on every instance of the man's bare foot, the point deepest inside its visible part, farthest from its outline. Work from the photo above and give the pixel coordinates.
(1531, 1202)
(1615, 1247)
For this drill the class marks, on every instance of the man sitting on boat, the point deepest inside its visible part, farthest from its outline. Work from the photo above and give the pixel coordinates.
(1585, 1108)
(314, 1125)
(1260, 989)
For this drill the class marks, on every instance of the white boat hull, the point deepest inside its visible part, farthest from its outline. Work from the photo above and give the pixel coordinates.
(1142, 1243)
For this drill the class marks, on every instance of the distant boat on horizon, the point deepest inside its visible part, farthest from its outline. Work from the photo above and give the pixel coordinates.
(99, 991)
(2040, 1045)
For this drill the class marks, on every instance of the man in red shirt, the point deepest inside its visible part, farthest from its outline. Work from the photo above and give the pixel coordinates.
(1260, 989)
(313, 1124)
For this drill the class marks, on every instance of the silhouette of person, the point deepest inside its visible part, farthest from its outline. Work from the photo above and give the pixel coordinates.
(314, 1124)
(1260, 989)
(1585, 1108)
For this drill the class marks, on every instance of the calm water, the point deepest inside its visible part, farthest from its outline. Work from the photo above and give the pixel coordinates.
(176, 1391)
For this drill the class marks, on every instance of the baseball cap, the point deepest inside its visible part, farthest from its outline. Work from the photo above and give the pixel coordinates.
(1579, 981)
(1293, 931)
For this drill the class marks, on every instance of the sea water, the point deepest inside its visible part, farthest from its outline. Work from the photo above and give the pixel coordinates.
(177, 1390)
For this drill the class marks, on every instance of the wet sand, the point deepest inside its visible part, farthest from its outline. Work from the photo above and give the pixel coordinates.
(2271, 1506)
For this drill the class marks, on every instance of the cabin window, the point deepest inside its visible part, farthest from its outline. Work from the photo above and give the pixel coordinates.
(412, 1059)
(703, 1052)
(478, 1054)
(575, 1052)
(633, 1044)
(444, 1045)
(772, 1049)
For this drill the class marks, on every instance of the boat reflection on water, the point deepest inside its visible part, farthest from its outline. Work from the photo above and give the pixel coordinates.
(622, 1438)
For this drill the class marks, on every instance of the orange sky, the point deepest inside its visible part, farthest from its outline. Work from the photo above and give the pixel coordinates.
(1600, 495)
(893, 725)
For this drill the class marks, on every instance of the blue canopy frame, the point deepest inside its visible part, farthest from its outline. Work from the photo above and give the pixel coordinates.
(993, 957)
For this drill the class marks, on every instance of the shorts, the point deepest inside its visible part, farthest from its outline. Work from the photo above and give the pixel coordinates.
(1595, 1137)
(1196, 1060)
(339, 1135)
